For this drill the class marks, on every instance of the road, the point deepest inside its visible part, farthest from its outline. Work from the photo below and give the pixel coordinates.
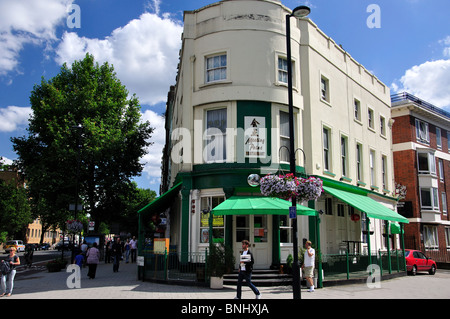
(38, 255)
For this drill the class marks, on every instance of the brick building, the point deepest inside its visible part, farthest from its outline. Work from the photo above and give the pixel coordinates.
(421, 146)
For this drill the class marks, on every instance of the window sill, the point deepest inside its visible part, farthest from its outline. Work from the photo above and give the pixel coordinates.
(209, 84)
(325, 101)
(285, 85)
(329, 173)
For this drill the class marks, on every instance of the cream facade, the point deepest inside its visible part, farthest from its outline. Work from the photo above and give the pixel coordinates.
(232, 81)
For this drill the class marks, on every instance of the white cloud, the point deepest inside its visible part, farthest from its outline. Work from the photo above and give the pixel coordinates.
(5, 160)
(152, 161)
(429, 81)
(144, 54)
(13, 118)
(27, 22)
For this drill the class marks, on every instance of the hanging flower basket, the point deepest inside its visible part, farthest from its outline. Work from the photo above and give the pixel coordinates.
(288, 186)
(74, 226)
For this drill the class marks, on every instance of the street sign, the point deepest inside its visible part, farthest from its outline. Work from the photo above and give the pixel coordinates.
(91, 225)
(292, 212)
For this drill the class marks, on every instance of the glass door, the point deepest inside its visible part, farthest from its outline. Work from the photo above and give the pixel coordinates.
(256, 229)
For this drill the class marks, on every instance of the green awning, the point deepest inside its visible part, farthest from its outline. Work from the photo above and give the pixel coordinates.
(365, 204)
(253, 205)
(162, 202)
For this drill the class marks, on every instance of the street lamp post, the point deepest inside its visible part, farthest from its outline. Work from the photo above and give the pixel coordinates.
(299, 12)
(79, 129)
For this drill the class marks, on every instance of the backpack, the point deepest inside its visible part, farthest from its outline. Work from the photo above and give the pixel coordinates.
(5, 268)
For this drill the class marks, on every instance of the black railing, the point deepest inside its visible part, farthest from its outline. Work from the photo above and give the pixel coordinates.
(409, 97)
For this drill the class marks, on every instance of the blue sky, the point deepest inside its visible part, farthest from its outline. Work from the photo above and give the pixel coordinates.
(410, 51)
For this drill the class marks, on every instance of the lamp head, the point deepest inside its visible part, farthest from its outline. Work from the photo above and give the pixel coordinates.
(301, 12)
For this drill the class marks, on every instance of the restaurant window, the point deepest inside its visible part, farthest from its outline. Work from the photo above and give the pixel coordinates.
(286, 234)
(208, 204)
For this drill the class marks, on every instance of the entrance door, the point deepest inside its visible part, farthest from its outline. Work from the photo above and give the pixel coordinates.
(257, 230)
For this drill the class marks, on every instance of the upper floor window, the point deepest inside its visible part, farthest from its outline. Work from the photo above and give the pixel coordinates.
(422, 132)
(216, 128)
(372, 167)
(384, 178)
(370, 118)
(284, 137)
(216, 68)
(326, 149)
(382, 126)
(324, 89)
(359, 162)
(344, 155)
(438, 138)
(426, 162)
(357, 106)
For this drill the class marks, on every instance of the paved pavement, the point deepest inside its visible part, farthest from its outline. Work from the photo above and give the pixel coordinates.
(37, 283)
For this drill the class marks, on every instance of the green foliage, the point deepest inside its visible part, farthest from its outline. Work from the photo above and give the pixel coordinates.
(220, 260)
(104, 154)
(15, 212)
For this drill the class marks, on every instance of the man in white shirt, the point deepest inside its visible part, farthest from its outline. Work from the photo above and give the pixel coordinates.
(308, 264)
(245, 271)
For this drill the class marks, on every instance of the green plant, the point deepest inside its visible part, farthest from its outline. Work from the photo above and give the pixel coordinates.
(220, 260)
(56, 265)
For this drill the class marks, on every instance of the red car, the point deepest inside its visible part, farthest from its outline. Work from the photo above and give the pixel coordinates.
(417, 261)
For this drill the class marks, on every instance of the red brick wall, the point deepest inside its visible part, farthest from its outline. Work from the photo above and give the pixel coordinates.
(403, 129)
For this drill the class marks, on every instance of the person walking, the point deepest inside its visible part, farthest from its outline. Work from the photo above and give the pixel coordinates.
(29, 251)
(245, 271)
(133, 246)
(8, 278)
(116, 254)
(93, 258)
(308, 264)
(127, 250)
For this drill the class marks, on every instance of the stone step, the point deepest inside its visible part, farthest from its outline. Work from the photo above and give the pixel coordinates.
(262, 278)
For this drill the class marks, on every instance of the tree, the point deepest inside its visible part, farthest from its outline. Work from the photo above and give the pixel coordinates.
(96, 161)
(15, 212)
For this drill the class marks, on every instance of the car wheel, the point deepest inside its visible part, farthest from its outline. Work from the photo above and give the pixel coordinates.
(414, 270)
(432, 270)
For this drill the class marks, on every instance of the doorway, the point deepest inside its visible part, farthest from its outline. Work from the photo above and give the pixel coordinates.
(257, 230)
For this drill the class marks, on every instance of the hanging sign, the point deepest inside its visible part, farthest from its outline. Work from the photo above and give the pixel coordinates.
(255, 139)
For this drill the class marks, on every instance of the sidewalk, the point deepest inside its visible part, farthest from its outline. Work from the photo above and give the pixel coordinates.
(40, 284)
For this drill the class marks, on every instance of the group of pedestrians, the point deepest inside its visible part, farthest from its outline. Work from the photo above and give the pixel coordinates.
(114, 250)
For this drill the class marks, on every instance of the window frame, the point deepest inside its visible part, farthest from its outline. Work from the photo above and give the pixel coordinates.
(206, 158)
(359, 162)
(439, 138)
(326, 149)
(434, 198)
(422, 133)
(220, 67)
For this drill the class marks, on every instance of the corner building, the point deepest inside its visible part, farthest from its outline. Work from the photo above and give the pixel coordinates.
(227, 118)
